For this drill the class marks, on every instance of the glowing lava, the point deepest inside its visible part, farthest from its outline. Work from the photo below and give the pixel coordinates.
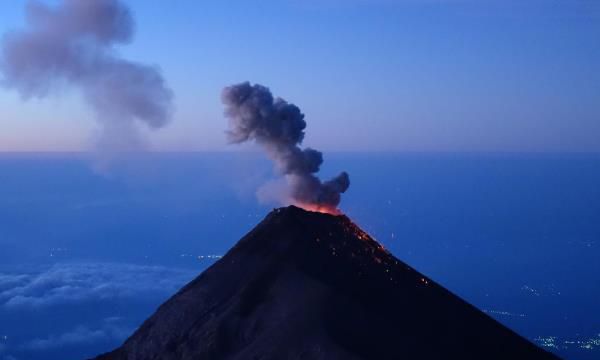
(320, 208)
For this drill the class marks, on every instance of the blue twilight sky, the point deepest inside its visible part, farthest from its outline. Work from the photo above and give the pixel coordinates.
(369, 74)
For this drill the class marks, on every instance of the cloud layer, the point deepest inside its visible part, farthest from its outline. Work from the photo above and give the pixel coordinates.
(72, 283)
(98, 304)
(111, 329)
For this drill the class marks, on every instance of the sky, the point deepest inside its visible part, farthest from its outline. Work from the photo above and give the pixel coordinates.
(379, 75)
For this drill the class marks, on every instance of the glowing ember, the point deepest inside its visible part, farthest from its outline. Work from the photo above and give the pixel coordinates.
(320, 208)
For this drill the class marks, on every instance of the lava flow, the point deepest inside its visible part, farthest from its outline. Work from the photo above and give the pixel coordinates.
(320, 208)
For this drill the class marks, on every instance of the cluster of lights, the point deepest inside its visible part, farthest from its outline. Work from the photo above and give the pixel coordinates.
(57, 251)
(201, 257)
(553, 342)
(531, 290)
(505, 313)
(548, 290)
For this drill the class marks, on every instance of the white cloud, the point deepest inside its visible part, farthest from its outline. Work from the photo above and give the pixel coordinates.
(77, 282)
(10, 281)
(110, 330)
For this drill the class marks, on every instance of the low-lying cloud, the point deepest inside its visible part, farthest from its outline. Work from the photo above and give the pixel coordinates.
(110, 330)
(72, 283)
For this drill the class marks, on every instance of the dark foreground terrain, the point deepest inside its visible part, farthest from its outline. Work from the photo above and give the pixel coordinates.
(306, 285)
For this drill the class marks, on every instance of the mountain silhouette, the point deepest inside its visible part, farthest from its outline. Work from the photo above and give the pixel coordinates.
(308, 285)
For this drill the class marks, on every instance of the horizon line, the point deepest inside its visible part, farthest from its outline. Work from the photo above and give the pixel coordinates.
(258, 151)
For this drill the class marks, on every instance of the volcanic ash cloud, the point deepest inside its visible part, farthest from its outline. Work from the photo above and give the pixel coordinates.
(278, 127)
(73, 44)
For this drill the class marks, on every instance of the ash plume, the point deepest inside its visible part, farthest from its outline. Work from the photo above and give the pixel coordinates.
(278, 127)
(73, 44)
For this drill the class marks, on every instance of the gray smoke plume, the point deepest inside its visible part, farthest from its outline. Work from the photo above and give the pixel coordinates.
(278, 126)
(73, 44)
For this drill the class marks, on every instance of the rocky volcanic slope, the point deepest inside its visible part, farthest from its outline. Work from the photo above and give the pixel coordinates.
(305, 285)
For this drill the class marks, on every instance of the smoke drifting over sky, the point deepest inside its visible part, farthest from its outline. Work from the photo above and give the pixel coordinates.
(73, 44)
(278, 127)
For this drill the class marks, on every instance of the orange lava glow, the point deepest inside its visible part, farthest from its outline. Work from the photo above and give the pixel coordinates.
(320, 209)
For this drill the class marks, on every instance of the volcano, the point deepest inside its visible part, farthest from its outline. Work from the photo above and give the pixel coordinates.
(309, 285)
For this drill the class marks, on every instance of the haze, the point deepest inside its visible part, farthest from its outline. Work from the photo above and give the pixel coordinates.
(510, 76)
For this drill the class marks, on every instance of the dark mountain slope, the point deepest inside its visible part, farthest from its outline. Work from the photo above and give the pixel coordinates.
(306, 285)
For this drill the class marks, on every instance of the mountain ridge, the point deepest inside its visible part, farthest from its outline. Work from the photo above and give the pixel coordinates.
(307, 285)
